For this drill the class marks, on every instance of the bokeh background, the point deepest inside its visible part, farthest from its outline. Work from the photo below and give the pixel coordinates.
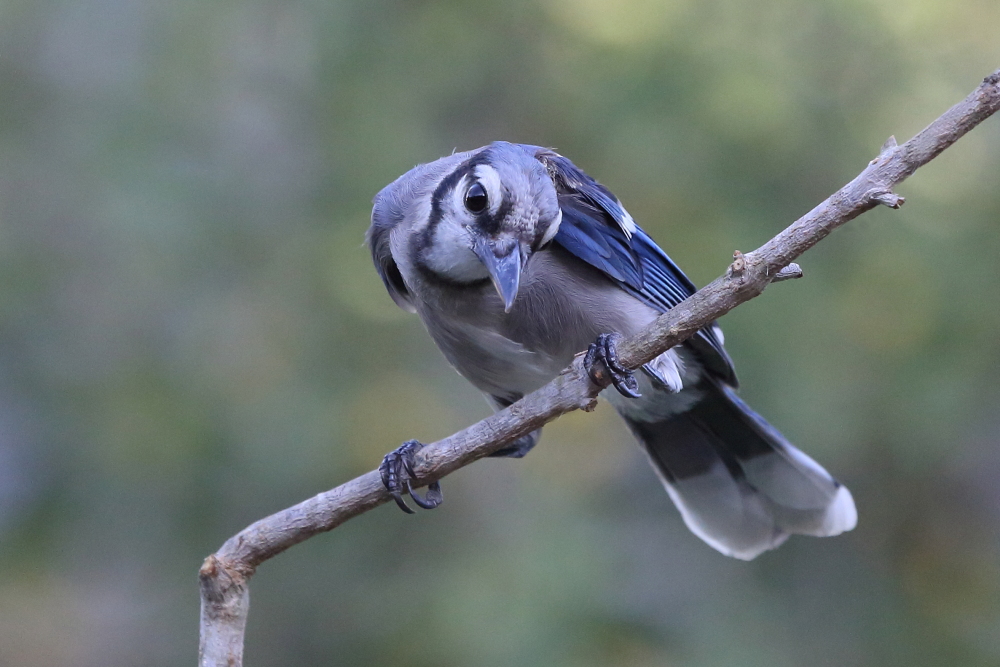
(192, 335)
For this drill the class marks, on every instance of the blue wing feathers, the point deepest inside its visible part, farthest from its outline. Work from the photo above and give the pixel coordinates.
(665, 283)
(585, 232)
(596, 229)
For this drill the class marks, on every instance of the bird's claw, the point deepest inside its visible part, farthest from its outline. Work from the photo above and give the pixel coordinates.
(605, 350)
(397, 471)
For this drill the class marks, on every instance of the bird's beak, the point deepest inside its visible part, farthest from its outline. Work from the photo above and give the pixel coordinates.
(503, 258)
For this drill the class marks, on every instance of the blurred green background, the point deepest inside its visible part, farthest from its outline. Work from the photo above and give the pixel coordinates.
(192, 335)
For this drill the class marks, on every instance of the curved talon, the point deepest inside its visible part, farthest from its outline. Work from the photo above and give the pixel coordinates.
(399, 501)
(434, 496)
(432, 499)
(396, 471)
(605, 350)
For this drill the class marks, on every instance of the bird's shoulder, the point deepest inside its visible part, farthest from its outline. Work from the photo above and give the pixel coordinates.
(597, 229)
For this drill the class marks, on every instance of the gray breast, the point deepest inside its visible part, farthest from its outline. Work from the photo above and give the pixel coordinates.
(560, 309)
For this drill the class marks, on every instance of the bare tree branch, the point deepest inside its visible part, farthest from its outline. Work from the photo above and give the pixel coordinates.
(224, 575)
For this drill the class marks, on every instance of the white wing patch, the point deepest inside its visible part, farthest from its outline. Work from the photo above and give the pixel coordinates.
(718, 334)
(626, 223)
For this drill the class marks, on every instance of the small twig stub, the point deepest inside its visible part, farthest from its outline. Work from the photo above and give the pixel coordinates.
(739, 265)
(886, 198)
(888, 146)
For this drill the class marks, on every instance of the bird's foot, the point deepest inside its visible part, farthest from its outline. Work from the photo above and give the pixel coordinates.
(519, 447)
(397, 473)
(602, 358)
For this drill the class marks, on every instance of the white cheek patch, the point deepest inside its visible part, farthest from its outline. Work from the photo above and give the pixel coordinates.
(553, 229)
(450, 253)
(490, 180)
(450, 250)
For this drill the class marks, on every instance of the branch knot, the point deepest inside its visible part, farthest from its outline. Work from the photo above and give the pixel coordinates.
(739, 266)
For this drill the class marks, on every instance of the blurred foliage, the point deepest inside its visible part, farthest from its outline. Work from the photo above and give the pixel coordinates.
(192, 336)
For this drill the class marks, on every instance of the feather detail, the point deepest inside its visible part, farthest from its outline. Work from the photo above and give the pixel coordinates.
(597, 229)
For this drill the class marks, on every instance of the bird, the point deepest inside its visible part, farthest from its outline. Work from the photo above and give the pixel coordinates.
(516, 260)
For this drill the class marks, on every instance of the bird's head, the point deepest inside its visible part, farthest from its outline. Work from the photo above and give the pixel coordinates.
(487, 216)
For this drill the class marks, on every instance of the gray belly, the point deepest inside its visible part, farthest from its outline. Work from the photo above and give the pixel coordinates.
(560, 309)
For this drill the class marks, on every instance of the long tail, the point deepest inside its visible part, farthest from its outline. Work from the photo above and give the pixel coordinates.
(739, 485)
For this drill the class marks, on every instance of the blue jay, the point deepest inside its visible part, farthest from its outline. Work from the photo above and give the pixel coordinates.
(516, 260)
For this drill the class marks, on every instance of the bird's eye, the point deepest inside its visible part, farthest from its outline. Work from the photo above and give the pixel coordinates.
(475, 199)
